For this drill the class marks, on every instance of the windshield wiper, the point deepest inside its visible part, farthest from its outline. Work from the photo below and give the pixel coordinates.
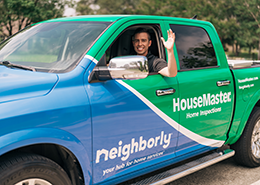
(11, 65)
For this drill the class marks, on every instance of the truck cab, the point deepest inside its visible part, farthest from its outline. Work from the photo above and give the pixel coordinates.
(75, 96)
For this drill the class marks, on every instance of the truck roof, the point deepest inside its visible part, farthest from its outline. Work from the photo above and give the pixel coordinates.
(110, 18)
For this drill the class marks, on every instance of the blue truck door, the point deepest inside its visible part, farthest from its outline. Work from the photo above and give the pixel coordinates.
(133, 128)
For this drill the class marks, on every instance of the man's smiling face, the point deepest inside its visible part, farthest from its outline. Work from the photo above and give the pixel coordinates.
(141, 43)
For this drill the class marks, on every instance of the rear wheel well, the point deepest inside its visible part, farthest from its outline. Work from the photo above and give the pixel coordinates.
(58, 154)
(258, 104)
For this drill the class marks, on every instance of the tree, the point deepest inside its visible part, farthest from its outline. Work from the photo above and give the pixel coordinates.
(236, 21)
(116, 6)
(201, 56)
(21, 13)
(250, 20)
(85, 7)
(222, 14)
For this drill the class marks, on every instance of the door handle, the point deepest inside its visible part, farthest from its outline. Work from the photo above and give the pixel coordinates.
(163, 92)
(223, 83)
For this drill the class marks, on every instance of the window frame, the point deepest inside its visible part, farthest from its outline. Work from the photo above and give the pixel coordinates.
(198, 68)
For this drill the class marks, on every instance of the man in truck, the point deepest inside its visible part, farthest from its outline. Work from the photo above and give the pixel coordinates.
(141, 43)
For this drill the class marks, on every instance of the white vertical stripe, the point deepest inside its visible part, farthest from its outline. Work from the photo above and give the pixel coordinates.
(91, 58)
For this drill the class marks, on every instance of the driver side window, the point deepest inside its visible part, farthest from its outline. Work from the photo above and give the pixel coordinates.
(122, 46)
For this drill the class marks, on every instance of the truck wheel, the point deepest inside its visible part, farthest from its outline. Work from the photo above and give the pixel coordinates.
(247, 148)
(30, 169)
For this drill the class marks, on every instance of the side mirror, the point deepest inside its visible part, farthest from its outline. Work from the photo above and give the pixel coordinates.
(126, 67)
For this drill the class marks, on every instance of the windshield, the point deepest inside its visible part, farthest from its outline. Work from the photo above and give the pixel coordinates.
(51, 47)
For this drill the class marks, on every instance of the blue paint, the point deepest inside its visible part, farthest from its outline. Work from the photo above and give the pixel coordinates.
(64, 109)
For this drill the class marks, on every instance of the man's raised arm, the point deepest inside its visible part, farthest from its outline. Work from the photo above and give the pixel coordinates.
(171, 69)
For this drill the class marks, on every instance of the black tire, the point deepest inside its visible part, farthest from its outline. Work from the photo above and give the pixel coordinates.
(26, 168)
(249, 143)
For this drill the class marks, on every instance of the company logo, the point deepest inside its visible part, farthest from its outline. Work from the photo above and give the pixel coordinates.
(133, 147)
(201, 101)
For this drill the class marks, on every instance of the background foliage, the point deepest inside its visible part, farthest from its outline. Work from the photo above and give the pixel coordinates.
(237, 21)
(17, 14)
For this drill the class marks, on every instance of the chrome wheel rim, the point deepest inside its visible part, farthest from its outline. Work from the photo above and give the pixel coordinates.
(33, 181)
(255, 141)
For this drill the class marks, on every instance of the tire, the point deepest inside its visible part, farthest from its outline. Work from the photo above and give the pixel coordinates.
(31, 169)
(247, 148)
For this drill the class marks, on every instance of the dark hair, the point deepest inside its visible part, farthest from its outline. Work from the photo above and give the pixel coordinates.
(141, 30)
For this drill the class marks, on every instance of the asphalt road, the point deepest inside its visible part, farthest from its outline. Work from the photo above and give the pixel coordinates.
(226, 172)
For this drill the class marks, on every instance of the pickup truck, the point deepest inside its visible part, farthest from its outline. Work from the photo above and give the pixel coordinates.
(77, 107)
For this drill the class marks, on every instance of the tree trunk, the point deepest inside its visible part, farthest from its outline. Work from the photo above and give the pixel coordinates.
(237, 50)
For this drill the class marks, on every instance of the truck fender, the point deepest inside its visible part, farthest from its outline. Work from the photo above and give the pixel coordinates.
(238, 130)
(27, 137)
